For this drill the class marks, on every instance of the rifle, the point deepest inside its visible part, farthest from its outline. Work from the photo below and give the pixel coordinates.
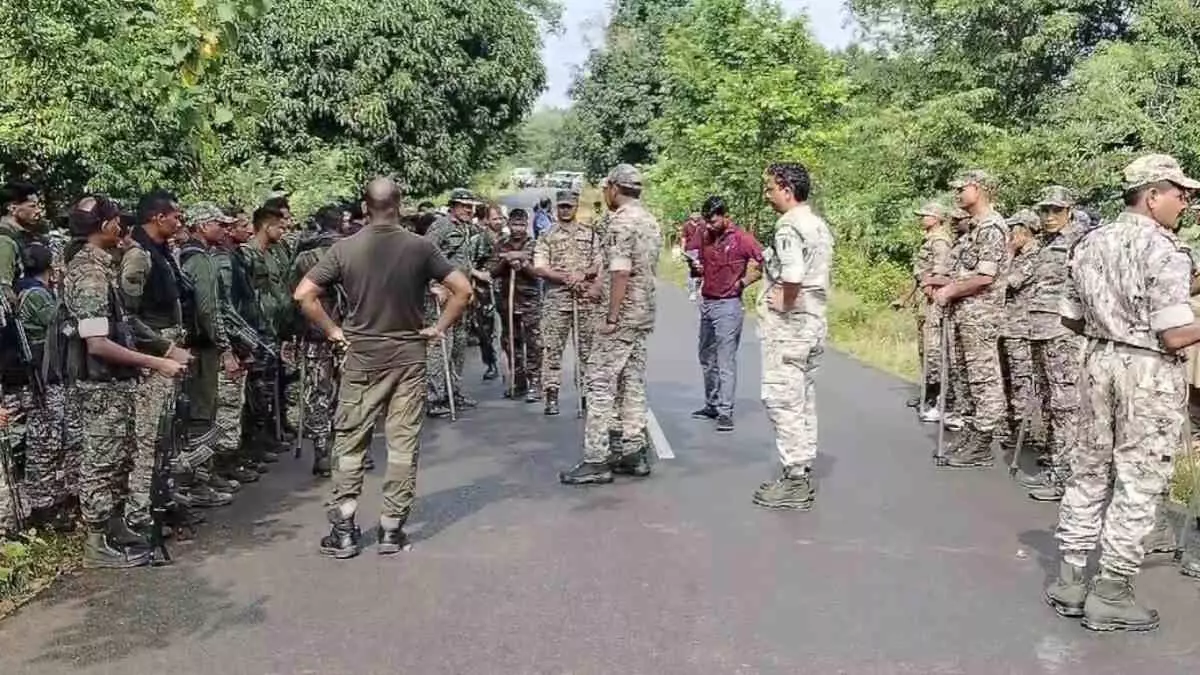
(446, 364)
(575, 346)
(1189, 453)
(1026, 420)
(512, 350)
(8, 466)
(939, 455)
(172, 440)
(10, 320)
(303, 383)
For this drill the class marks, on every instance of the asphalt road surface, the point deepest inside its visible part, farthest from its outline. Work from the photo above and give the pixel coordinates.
(900, 567)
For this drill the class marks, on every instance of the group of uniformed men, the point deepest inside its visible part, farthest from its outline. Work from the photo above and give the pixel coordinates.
(124, 332)
(1048, 315)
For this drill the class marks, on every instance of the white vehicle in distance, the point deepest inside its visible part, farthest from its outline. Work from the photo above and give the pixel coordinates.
(566, 180)
(523, 177)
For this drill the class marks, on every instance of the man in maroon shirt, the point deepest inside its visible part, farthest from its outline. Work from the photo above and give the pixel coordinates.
(728, 259)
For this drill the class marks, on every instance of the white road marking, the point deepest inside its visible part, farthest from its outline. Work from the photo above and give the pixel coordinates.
(662, 447)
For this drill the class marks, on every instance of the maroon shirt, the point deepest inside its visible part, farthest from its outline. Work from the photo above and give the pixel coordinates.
(725, 257)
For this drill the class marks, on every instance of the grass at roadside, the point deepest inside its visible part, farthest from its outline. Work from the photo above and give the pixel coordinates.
(27, 567)
(878, 336)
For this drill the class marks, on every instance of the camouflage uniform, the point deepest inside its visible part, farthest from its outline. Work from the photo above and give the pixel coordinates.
(454, 239)
(279, 258)
(1057, 352)
(231, 391)
(1129, 283)
(526, 363)
(46, 453)
(317, 354)
(260, 311)
(933, 259)
(106, 398)
(483, 310)
(793, 342)
(618, 358)
(156, 329)
(568, 248)
(11, 492)
(1016, 361)
(976, 320)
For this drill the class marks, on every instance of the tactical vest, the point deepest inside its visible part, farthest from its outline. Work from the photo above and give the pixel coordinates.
(81, 365)
(187, 299)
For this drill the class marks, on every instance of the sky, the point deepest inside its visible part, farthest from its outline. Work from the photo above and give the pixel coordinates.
(583, 21)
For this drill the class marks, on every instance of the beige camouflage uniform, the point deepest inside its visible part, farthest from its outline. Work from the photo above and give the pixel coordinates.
(793, 342)
(1057, 352)
(976, 319)
(933, 259)
(618, 359)
(569, 248)
(1134, 391)
(1016, 359)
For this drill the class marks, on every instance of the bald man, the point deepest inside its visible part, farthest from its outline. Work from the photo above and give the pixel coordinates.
(385, 271)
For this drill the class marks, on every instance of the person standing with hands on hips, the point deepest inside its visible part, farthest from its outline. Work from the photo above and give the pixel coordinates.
(791, 314)
(384, 270)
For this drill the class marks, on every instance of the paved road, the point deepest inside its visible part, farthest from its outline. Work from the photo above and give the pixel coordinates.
(527, 198)
(900, 568)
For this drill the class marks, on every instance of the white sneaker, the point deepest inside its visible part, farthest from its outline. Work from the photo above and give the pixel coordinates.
(931, 415)
(954, 422)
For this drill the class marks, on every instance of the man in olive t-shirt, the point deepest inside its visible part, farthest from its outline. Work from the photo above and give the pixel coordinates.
(384, 270)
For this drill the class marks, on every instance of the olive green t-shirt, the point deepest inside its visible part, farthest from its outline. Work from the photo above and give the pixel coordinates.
(384, 270)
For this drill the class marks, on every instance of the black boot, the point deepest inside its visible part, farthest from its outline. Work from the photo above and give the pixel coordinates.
(551, 402)
(392, 541)
(100, 552)
(344, 539)
(974, 452)
(491, 373)
(438, 409)
(636, 464)
(587, 473)
(121, 534)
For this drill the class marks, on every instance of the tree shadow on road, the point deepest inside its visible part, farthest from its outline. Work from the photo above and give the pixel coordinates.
(115, 615)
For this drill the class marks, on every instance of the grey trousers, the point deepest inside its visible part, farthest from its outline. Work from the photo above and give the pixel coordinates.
(720, 336)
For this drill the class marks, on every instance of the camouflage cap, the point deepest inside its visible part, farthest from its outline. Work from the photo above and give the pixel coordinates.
(931, 209)
(206, 212)
(1056, 196)
(1025, 218)
(566, 197)
(959, 214)
(464, 196)
(975, 177)
(625, 175)
(1149, 169)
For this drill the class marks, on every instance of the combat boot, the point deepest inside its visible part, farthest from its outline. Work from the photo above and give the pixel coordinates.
(1068, 593)
(551, 402)
(241, 474)
(204, 497)
(1111, 606)
(321, 465)
(464, 402)
(121, 534)
(438, 409)
(635, 464)
(1162, 538)
(587, 473)
(1053, 492)
(974, 451)
(1030, 481)
(794, 489)
(491, 373)
(100, 552)
(344, 539)
(534, 393)
(392, 540)
(1189, 563)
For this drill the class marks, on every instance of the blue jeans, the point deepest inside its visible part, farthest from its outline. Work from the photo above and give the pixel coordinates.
(720, 335)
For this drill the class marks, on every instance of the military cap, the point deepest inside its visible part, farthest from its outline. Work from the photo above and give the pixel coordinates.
(206, 212)
(625, 175)
(931, 209)
(959, 214)
(1149, 169)
(1025, 218)
(566, 197)
(974, 177)
(1056, 196)
(463, 196)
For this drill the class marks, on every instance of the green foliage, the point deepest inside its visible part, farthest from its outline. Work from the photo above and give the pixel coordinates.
(28, 564)
(542, 144)
(220, 98)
